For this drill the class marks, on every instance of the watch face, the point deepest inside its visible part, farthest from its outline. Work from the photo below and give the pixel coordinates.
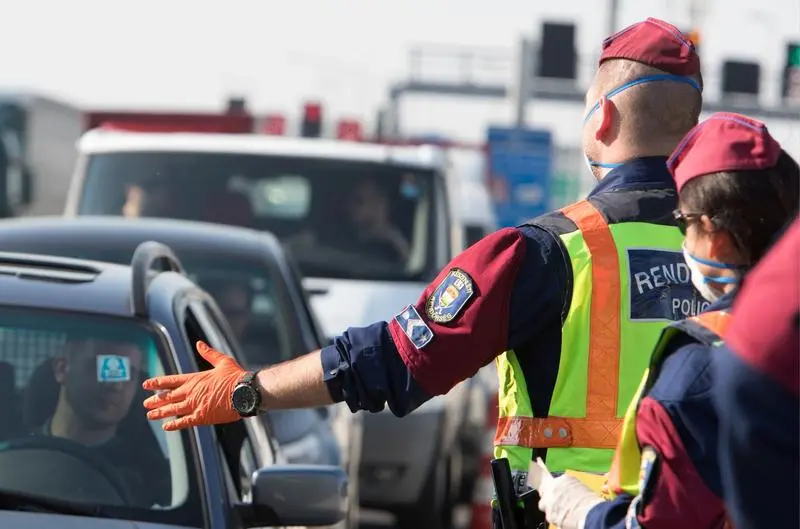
(245, 399)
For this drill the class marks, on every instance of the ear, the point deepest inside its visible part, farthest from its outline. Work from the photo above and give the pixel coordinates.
(606, 112)
(720, 242)
(60, 368)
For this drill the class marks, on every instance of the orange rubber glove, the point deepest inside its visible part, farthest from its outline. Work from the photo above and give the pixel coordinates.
(197, 399)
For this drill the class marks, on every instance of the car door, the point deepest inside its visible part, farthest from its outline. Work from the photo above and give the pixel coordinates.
(243, 446)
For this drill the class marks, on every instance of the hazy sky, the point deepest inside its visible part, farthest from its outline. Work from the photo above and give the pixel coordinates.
(191, 53)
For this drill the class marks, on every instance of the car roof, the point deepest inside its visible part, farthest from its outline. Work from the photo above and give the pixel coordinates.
(74, 285)
(184, 237)
(104, 141)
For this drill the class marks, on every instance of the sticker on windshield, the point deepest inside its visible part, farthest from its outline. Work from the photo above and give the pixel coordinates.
(113, 368)
(450, 296)
(415, 327)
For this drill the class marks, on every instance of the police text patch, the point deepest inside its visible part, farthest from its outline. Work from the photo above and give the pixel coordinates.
(660, 286)
(415, 328)
(450, 296)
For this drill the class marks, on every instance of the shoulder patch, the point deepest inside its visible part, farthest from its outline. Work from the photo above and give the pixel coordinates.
(648, 472)
(414, 326)
(450, 296)
(648, 475)
(660, 286)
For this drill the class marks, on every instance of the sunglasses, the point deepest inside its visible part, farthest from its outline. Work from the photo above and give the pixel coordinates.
(684, 219)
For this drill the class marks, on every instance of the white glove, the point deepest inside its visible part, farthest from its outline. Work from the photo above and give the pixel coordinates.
(566, 501)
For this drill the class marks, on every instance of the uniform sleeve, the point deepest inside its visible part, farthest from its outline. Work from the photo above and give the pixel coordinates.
(756, 394)
(759, 452)
(676, 429)
(492, 297)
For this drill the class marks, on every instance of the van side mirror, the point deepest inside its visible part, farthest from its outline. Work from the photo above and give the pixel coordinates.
(296, 495)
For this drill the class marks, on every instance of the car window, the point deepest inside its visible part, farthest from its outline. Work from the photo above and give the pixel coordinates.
(250, 299)
(473, 234)
(237, 449)
(73, 427)
(342, 218)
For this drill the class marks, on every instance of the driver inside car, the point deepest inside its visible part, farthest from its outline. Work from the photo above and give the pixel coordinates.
(98, 381)
(259, 339)
(369, 212)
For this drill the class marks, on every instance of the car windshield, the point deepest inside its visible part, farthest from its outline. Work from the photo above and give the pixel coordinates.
(250, 296)
(73, 428)
(340, 218)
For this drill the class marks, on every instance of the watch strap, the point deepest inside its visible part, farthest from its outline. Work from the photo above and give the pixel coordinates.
(249, 378)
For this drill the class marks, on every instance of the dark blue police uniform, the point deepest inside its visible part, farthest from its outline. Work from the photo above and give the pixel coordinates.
(522, 279)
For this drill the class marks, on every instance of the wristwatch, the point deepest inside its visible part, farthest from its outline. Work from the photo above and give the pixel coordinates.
(246, 396)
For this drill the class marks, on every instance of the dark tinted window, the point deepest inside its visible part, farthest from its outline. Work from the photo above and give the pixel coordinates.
(473, 234)
(341, 219)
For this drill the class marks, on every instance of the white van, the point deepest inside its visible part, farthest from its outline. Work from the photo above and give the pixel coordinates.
(369, 226)
(471, 205)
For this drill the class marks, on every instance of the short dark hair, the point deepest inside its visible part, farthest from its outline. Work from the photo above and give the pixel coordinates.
(753, 206)
(654, 110)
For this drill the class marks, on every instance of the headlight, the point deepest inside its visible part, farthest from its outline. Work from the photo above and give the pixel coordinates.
(308, 450)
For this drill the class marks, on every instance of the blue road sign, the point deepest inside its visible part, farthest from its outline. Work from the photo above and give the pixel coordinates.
(520, 163)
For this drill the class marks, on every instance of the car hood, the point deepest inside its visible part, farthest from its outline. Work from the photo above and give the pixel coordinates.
(343, 303)
(35, 520)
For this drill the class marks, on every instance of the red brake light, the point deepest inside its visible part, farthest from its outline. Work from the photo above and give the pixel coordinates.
(349, 130)
(313, 112)
(274, 125)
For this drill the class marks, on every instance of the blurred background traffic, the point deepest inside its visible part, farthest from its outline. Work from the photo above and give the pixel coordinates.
(367, 142)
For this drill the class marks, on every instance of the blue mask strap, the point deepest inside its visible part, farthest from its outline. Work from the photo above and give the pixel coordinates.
(646, 79)
(715, 264)
(721, 280)
(605, 165)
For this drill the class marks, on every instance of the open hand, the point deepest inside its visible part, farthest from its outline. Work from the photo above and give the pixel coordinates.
(197, 399)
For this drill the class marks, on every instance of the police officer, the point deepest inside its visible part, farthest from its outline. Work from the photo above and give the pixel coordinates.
(737, 189)
(568, 302)
(756, 392)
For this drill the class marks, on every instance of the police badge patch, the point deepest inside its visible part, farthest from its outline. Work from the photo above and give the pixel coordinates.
(648, 473)
(450, 296)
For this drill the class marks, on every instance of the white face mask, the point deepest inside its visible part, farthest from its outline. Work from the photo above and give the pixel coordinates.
(702, 282)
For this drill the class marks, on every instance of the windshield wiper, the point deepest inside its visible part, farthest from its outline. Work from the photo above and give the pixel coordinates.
(11, 500)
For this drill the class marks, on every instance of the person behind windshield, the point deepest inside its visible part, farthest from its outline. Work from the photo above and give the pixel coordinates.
(369, 213)
(156, 198)
(98, 380)
(259, 340)
(737, 189)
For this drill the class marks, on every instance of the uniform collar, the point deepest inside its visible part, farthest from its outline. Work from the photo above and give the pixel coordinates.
(640, 173)
(725, 302)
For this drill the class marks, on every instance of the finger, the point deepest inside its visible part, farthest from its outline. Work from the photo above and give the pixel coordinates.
(183, 422)
(167, 381)
(176, 409)
(162, 398)
(211, 355)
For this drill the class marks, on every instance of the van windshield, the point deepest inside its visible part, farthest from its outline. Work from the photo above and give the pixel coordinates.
(339, 218)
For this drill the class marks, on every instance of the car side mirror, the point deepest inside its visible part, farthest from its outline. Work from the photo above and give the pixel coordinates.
(297, 495)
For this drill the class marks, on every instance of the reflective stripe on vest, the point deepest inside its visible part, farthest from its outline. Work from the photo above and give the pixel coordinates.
(601, 352)
(624, 475)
